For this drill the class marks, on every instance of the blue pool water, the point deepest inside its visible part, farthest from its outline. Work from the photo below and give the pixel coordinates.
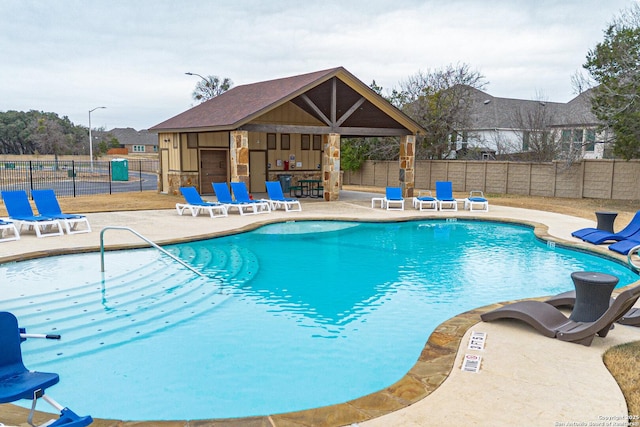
(291, 316)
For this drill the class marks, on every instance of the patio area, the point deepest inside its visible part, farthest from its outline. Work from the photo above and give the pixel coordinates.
(524, 378)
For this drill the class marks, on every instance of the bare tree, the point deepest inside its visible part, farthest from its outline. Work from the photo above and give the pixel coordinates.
(210, 87)
(440, 101)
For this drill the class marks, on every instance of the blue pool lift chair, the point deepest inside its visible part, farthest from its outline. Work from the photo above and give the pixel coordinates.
(425, 201)
(444, 194)
(476, 197)
(17, 382)
(195, 204)
(241, 195)
(20, 212)
(8, 231)
(48, 206)
(277, 198)
(597, 236)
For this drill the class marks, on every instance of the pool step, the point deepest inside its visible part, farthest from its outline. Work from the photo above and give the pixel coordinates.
(111, 313)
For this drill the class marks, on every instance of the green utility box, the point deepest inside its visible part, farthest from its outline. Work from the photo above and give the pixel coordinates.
(119, 170)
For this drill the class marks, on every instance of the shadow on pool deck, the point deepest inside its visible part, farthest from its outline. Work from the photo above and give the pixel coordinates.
(524, 378)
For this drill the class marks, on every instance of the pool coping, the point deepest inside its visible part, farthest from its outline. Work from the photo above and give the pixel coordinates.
(432, 368)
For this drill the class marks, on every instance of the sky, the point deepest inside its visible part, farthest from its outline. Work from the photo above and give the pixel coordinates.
(131, 56)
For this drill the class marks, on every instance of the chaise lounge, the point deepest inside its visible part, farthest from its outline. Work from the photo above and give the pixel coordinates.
(568, 299)
(277, 198)
(195, 204)
(20, 211)
(48, 206)
(552, 323)
(597, 236)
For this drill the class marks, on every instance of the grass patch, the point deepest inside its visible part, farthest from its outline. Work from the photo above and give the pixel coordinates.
(623, 361)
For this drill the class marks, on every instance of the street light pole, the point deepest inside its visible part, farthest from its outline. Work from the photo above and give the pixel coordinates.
(196, 74)
(90, 140)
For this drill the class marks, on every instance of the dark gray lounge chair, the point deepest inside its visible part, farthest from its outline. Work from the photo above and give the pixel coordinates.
(568, 299)
(552, 323)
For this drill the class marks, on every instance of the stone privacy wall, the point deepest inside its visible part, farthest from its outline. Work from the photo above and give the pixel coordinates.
(599, 179)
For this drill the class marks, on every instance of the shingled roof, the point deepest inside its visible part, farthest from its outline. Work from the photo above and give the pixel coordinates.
(241, 104)
(491, 112)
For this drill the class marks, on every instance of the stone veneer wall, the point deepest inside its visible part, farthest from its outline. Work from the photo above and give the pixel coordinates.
(239, 154)
(407, 161)
(331, 167)
(602, 179)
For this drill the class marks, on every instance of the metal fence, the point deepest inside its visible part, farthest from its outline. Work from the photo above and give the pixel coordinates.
(73, 178)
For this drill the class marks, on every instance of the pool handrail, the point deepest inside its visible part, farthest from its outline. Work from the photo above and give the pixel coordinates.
(630, 253)
(117, 227)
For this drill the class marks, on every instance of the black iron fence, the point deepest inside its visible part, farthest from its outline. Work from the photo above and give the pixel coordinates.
(73, 178)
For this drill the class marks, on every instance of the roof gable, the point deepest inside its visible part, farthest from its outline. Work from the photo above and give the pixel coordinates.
(311, 92)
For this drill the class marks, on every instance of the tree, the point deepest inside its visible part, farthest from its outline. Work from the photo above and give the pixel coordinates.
(615, 65)
(439, 100)
(18, 132)
(210, 87)
(48, 137)
(541, 141)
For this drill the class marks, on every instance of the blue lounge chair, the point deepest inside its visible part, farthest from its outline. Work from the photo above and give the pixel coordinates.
(476, 197)
(597, 236)
(195, 204)
(16, 382)
(241, 195)
(8, 229)
(425, 201)
(48, 206)
(277, 199)
(20, 211)
(444, 194)
(393, 197)
(624, 246)
(224, 196)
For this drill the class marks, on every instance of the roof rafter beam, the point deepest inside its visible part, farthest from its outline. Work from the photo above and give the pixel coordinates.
(350, 111)
(324, 130)
(316, 109)
(334, 99)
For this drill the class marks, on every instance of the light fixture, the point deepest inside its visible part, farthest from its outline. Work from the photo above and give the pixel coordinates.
(90, 140)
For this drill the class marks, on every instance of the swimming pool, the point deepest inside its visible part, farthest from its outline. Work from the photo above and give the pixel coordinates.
(293, 316)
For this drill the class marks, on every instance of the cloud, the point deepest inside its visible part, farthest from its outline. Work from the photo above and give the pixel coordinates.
(68, 57)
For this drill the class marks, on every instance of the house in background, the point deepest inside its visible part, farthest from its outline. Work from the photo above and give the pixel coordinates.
(130, 141)
(290, 126)
(504, 126)
(136, 142)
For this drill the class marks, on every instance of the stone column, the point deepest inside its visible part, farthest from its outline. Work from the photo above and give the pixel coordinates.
(239, 156)
(407, 164)
(331, 166)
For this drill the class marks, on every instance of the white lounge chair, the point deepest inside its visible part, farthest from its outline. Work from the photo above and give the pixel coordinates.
(425, 201)
(476, 197)
(444, 194)
(195, 204)
(8, 229)
(277, 199)
(48, 206)
(19, 209)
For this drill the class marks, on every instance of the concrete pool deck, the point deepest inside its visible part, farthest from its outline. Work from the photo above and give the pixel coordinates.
(524, 378)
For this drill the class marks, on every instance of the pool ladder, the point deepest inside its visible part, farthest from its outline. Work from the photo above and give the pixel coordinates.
(173, 257)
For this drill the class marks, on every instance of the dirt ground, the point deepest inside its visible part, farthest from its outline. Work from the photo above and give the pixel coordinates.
(148, 200)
